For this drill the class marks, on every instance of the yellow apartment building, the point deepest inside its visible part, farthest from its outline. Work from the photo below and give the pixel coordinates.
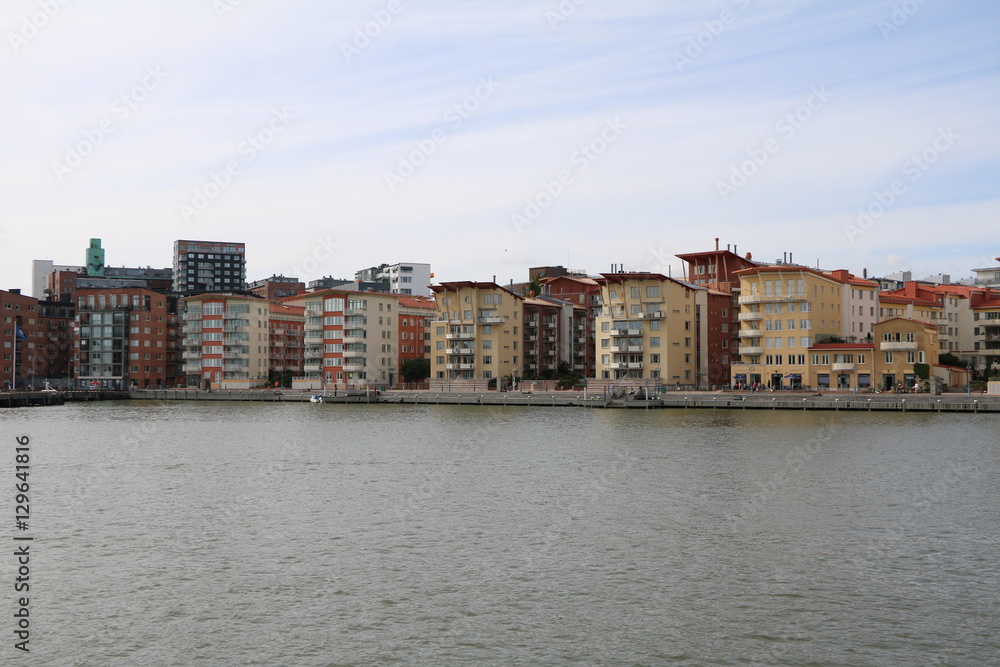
(901, 343)
(475, 335)
(784, 310)
(646, 330)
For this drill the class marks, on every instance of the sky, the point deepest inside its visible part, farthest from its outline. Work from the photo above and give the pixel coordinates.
(489, 137)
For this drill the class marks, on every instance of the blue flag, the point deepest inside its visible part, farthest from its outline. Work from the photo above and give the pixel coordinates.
(19, 333)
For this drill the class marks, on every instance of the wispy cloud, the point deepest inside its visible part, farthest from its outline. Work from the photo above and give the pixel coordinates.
(560, 81)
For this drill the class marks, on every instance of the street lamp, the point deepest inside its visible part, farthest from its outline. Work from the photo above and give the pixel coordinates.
(751, 379)
(968, 380)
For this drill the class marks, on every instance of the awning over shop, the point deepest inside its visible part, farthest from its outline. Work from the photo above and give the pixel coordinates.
(740, 376)
(794, 376)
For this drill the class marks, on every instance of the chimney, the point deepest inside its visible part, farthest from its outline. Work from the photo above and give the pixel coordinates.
(789, 258)
(716, 244)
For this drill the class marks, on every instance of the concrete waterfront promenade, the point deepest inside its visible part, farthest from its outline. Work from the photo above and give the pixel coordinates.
(783, 400)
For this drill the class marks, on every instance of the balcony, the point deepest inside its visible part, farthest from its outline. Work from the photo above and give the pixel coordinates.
(354, 368)
(490, 320)
(618, 333)
(193, 356)
(751, 317)
(235, 368)
(772, 298)
(233, 328)
(656, 315)
(354, 339)
(313, 327)
(279, 332)
(461, 336)
(549, 339)
(531, 322)
(312, 368)
(886, 346)
(192, 368)
(751, 350)
(354, 311)
(460, 367)
(191, 328)
(467, 351)
(233, 340)
(751, 333)
(626, 348)
(531, 339)
(579, 367)
(843, 367)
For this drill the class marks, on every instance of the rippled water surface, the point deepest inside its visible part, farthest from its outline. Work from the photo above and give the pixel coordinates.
(262, 534)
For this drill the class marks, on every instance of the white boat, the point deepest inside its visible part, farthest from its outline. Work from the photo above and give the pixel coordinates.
(316, 399)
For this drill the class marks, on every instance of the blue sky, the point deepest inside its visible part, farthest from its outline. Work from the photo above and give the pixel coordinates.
(487, 137)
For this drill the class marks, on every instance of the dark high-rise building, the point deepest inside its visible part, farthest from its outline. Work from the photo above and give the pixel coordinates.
(209, 266)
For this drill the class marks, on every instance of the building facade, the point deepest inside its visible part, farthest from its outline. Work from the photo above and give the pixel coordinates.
(784, 310)
(476, 335)
(226, 340)
(125, 338)
(646, 331)
(349, 340)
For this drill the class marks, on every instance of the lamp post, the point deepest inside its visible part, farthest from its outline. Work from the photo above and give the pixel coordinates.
(750, 379)
(968, 380)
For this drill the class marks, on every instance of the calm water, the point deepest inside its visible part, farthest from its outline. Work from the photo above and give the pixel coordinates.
(258, 534)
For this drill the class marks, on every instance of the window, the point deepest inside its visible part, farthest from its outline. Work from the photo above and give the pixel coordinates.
(654, 341)
(654, 358)
(652, 291)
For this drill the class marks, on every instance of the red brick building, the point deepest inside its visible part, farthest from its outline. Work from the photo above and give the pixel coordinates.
(715, 270)
(126, 337)
(413, 332)
(286, 339)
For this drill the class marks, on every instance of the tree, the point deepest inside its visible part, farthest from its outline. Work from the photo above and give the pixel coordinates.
(415, 370)
(923, 371)
(949, 359)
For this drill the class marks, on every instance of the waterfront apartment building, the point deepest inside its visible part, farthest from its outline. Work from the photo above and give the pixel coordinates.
(209, 266)
(784, 310)
(585, 295)
(476, 335)
(986, 332)
(286, 331)
(349, 340)
(841, 366)
(902, 343)
(226, 340)
(125, 337)
(414, 327)
(647, 331)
